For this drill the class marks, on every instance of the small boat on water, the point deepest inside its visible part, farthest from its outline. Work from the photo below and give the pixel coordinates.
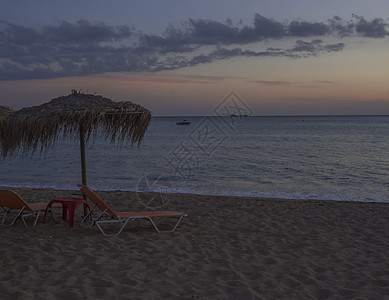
(184, 122)
(240, 116)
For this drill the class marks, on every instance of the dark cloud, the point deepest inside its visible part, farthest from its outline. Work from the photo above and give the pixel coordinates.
(85, 32)
(264, 28)
(324, 82)
(340, 27)
(173, 40)
(209, 32)
(65, 50)
(376, 28)
(271, 82)
(333, 47)
(302, 46)
(83, 48)
(307, 29)
(316, 47)
(299, 50)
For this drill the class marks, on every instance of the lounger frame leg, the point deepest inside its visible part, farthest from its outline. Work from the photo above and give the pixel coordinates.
(6, 212)
(162, 231)
(37, 214)
(89, 215)
(34, 214)
(98, 218)
(111, 221)
(125, 221)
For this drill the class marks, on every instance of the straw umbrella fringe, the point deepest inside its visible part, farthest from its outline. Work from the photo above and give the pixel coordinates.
(5, 111)
(77, 115)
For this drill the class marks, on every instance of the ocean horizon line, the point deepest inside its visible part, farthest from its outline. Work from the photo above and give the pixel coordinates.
(271, 116)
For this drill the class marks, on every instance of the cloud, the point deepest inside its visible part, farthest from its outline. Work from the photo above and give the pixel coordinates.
(85, 48)
(85, 32)
(323, 82)
(314, 48)
(271, 82)
(264, 28)
(68, 49)
(209, 32)
(376, 28)
(358, 25)
(303, 29)
(301, 49)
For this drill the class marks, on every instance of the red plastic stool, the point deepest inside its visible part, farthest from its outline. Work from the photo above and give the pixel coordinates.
(68, 204)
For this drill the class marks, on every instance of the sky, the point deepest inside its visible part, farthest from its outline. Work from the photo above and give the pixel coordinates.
(183, 58)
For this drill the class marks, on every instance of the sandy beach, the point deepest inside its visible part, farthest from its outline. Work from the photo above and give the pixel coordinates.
(226, 248)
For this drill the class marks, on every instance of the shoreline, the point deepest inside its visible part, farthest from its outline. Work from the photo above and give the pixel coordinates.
(224, 248)
(185, 194)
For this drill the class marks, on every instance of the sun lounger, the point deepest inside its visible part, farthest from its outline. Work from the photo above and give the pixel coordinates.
(125, 217)
(14, 208)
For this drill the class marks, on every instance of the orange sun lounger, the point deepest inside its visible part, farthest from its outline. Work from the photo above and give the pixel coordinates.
(125, 217)
(14, 208)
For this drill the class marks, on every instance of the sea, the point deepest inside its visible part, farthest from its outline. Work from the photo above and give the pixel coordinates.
(342, 158)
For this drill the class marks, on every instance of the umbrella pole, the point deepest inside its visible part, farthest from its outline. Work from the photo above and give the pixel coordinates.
(83, 161)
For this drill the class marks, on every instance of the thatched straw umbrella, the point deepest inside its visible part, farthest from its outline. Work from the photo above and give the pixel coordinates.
(78, 115)
(5, 111)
